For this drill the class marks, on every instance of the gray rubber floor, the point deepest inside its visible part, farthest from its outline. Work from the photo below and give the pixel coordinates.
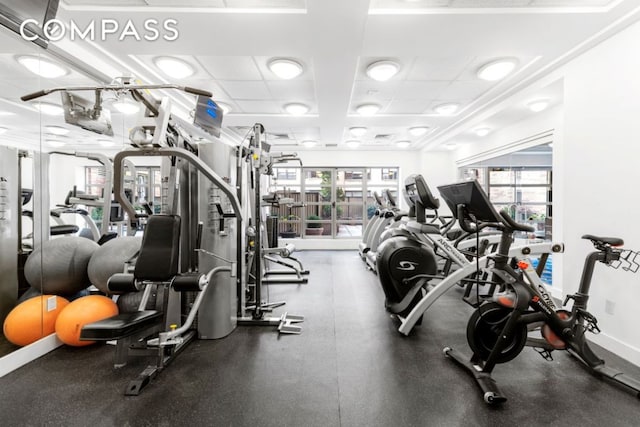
(350, 367)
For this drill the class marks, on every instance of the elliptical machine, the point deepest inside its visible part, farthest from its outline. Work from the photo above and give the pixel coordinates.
(392, 217)
(365, 245)
(404, 263)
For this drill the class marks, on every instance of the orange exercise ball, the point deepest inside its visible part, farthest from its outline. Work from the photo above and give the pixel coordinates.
(80, 312)
(33, 319)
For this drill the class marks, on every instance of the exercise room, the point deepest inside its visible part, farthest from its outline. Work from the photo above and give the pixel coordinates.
(319, 213)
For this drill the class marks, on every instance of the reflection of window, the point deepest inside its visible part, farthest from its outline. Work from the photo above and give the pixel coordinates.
(287, 174)
(389, 174)
(94, 180)
(353, 175)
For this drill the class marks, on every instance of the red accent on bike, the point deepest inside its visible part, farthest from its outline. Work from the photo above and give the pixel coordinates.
(535, 298)
(505, 301)
(523, 265)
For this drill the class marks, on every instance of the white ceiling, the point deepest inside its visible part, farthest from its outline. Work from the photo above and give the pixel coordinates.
(439, 44)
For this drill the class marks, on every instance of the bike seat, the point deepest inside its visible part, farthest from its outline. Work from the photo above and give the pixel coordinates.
(613, 241)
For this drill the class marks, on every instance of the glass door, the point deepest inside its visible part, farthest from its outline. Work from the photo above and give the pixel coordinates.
(349, 202)
(319, 212)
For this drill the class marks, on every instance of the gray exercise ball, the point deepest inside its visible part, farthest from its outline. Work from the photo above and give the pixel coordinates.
(59, 266)
(109, 259)
(130, 302)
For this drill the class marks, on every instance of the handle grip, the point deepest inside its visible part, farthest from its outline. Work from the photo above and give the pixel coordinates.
(196, 91)
(34, 95)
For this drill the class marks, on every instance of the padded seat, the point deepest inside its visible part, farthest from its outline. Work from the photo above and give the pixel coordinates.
(120, 326)
(613, 241)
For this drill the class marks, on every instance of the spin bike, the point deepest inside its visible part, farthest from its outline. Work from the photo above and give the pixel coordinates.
(498, 329)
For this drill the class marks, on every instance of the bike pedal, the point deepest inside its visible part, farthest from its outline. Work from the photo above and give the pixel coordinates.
(546, 354)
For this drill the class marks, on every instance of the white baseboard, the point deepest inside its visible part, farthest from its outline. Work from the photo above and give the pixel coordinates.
(26, 354)
(617, 347)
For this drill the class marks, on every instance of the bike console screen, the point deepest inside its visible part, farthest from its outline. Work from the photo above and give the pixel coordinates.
(472, 196)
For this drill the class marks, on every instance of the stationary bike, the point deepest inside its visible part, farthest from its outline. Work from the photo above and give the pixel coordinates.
(498, 330)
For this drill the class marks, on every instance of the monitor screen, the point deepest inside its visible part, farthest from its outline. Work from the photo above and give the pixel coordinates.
(472, 196)
(14, 12)
(208, 116)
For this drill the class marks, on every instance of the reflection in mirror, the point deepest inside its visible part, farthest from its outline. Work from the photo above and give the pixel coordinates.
(520, 183)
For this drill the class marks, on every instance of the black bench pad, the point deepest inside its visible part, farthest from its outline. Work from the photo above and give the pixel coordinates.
(120, 326)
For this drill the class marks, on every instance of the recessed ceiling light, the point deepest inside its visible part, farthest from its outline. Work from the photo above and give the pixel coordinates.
(296, 109)
(125, 106)
(538, 105)
(382, 70)
(550, 145)
(368, 109)
(403, 144)
(286, 69)
(105, 142)
(57, 130)
(3, 130)
(353, 144)
(357, 131)
(482, 131)
(55, 143)
(226, 108)
(447, 109)
(498, 69)
(450, 146)
(309, 143)
(42, 67)
(49, 109)
(418, 130)
(174, 67)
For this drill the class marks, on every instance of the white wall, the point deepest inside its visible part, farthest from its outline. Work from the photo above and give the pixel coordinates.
(599, 171)
(438, 168)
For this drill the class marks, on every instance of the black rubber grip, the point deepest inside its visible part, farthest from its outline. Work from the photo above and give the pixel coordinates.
(198, 91)
(121, 283)
(34, 95)
(187, 282)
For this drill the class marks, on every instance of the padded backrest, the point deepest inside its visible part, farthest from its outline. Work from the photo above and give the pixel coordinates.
(158, 258)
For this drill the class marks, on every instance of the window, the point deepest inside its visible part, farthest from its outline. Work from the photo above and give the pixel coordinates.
(328, 202)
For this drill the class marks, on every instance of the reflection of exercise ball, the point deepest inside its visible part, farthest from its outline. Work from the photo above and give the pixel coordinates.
(59, 266)
(81, 312)
(109, 259)
(33, 319)
(129, 302)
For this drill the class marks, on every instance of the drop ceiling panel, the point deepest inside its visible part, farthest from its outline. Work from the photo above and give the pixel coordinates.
(259, 107)
(231, 67)
(408, 106)
(371, 89)
(292, 90)
(438, 68)
(420, 90)
(246, 89)
(465, 89)
(426, 4)
(234, 4)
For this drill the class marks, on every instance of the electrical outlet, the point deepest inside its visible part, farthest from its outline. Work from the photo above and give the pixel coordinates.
(609, 307)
